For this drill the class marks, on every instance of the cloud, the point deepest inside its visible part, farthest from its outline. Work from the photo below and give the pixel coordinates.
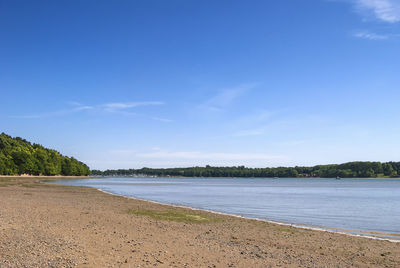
(256, 123)
(251, 132)
(165, 120)
(371, 36)
(257, 116)
(225, 98)
(78, 108)
(116, 106)
(122, 108)
(384, 10)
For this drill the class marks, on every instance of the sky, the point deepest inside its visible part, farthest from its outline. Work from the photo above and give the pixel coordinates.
(176, 83)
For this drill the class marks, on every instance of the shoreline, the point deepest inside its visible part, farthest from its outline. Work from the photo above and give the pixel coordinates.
(45, 224)
(320, 229)
(354, 233)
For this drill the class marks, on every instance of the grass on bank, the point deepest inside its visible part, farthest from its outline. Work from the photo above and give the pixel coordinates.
(173, 215)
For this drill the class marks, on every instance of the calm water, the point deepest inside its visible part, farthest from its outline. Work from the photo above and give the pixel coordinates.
(351, 205)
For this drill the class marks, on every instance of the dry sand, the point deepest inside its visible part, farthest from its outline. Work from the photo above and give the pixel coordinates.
(59, 226)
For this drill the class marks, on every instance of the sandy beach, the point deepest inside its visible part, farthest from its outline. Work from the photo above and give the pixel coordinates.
(45, 225)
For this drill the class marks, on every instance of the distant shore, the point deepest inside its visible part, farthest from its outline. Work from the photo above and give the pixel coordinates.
(51, 225)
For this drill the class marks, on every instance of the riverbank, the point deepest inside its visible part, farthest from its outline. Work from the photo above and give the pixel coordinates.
(51, 225)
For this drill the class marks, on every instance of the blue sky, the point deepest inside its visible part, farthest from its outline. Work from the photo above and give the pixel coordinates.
(165, 83)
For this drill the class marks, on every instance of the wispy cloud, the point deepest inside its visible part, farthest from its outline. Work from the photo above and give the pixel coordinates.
(64, 112)
(256, 123)
(225, 98)
(165, 120)
(371, 36)
(249, 132)
(257, 116)
(384, 10)
(117, 106)
(122, 108)
(81, 107)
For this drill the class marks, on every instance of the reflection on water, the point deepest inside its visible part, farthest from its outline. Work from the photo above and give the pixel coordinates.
(361, 206)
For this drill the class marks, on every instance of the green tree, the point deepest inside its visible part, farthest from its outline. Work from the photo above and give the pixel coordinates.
(18, 156)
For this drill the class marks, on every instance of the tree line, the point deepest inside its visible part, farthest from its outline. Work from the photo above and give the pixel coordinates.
(346, 170)
(18, 156)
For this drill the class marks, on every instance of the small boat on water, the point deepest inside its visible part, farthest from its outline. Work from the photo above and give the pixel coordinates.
(338, 178)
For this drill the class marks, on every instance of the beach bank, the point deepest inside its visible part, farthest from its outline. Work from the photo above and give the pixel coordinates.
(50, 225)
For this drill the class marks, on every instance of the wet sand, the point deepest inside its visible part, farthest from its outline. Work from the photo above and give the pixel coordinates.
(45, 225)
